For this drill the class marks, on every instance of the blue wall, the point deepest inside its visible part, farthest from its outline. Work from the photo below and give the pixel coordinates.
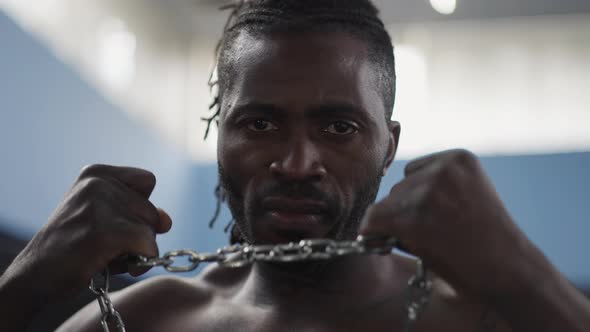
(52, 123)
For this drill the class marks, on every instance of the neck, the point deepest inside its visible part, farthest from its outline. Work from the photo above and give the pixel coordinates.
(362, 277)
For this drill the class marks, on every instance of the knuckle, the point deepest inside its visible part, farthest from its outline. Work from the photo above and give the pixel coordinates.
(92, 185)
(86, 209)
(91, 203)
(91, 170)
(465, 159)
(443, 175)
(457, 162)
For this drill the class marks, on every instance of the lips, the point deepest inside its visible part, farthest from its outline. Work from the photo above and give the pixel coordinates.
(294, 213)
(294, 206)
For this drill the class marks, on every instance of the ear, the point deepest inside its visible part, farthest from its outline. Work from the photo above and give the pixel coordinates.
(394, 129)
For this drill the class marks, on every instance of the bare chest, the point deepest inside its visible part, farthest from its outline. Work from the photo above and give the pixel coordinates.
(227, 316)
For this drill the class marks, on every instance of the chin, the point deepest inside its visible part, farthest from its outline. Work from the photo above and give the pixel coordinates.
(276, 235)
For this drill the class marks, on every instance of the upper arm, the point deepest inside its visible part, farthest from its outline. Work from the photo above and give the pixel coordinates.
(86, 319)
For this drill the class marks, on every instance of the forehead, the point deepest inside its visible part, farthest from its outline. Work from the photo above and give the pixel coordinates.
(296, 70)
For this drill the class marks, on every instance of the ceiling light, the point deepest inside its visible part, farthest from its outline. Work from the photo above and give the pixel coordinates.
(116, 53)
(445, 7)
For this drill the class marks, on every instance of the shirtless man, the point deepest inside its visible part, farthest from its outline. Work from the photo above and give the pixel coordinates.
(305, 98)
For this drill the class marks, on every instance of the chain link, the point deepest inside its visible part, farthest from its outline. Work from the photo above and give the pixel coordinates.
(244, 254)
(238, 255)
(108, 312)
(417, 295)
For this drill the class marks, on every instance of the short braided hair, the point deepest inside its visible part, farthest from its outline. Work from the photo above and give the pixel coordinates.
(260, 17)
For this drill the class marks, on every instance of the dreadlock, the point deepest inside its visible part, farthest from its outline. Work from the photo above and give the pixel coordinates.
(261, 17)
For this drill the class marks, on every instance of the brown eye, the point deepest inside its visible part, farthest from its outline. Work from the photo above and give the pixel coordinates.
(341, 128)
(261, 125)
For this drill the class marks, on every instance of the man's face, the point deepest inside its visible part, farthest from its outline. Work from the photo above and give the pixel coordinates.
(303, 140)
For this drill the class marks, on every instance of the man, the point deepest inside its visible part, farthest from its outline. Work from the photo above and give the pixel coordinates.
(304, 108)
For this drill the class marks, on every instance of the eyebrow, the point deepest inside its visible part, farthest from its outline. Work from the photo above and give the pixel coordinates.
(329, 109)
(320, 110)
(256, 107)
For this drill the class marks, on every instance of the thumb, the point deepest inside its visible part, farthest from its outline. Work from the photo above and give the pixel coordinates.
(165, 222)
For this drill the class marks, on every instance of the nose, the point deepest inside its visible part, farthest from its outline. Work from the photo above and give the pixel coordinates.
(300, 160)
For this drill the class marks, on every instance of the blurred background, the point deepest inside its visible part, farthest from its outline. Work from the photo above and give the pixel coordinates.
(124, 83)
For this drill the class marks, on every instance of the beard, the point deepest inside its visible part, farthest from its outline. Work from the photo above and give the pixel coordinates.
(347, 219)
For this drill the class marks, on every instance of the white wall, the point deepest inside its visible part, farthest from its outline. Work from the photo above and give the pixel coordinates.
(502, 86)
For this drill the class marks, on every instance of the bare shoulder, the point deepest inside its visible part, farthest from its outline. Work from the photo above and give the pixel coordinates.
(154, 297)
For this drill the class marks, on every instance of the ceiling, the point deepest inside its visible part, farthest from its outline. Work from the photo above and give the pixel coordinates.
(394, 11)
(203, 18)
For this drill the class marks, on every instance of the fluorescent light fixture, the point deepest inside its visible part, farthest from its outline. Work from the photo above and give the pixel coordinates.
(412, 78)
(116, 53)
(445, 7)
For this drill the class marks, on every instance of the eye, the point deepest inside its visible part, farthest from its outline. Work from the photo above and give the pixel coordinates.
(261, 125)
(341, 128)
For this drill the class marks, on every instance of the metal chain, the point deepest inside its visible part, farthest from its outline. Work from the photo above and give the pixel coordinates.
(108, 312)
(417, 295)
(244, 254)
(238, 255)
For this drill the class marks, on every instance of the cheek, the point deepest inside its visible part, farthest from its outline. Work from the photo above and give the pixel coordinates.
(241, 160)
(354, 169)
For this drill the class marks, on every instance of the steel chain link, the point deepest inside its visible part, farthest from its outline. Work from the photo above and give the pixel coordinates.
(244, 254)
(238, 255)
(108, 312)
(417, 295)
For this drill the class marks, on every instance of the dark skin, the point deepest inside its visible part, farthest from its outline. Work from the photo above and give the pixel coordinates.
(445, 210)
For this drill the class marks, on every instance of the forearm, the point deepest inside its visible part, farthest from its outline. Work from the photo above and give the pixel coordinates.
(19, 300)
(545, 301)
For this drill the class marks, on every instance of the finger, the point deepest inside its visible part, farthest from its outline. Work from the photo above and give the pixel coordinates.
(420, 163)
(429, 161)
(132, 239)
(379, 221)
(164, 223)
(384, 217)
(139, 180)
(134, 206)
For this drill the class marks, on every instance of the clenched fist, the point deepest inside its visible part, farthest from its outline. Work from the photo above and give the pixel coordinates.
(447, 212)
(105, 215)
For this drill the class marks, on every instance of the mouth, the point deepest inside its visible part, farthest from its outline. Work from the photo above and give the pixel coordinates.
(290, 213)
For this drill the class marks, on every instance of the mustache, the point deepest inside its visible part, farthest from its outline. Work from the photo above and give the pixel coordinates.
(298, 190)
